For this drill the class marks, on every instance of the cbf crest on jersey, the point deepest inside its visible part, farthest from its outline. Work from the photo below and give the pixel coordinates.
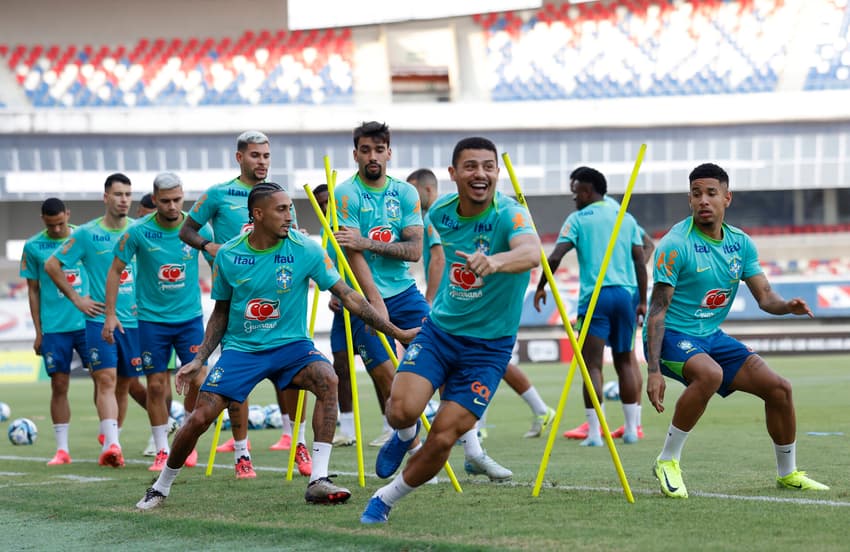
(393, 208)
(735, 268)
(187, 251)
(283, 277)
(216, 375)
(482, 244)
(411, 353)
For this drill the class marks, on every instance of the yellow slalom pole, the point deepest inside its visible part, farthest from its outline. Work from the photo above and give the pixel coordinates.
(216, 434)
(577, 356)
(347, 270)
(349, 339)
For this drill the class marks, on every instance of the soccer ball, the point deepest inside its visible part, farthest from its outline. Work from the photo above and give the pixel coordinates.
(178, 413)
(225, 423)
(22, 432)
(273, 417)
(256, 417)
(5, 412)
(611, 391)
(431, 410)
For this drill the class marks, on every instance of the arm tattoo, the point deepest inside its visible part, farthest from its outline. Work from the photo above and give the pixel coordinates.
(358, 305)
(659, 303)
(189, 233)
(215, 330)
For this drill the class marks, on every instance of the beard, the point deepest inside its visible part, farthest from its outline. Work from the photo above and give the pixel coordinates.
(373, 172)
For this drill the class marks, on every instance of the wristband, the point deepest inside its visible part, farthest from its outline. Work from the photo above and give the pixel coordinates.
(204, 245)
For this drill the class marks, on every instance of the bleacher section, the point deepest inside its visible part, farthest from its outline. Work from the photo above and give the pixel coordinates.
(310, 67)
(830, 67)
(638, 48)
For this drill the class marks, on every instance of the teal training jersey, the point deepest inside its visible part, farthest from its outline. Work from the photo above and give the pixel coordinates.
(430, 238)
(704, 273)
(466, 304)
(381, 215)
(268, 290)
(58, 314)
(589, 230)
(616, 204)
(225, 207)
(167, 288)
(93, 244)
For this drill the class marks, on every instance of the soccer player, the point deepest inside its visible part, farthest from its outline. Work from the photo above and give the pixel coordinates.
(113, 365)
(59, 326)
(224, 207)
(699, 265)
(169, 299)
(622, 299)
(433, 261)
(146, 206)
(260, 286)
(467, 341)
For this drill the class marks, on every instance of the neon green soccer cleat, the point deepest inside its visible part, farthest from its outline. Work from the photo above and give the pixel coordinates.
(669, 475)
(799, 480)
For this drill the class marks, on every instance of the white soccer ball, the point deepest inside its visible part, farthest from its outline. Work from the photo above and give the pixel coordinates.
(431, 410)
(611, 391)
(256, 417)
(5, 412)
(273, 416)
(225, 423)
(22, 432)
(178, 413)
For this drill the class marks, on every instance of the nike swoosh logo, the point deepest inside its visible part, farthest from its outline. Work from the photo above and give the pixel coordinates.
(670, 487)
(104, 252)
(479, 402)
(235, 207)
(703, 268)
(241, 281)
(799, 486)
(152, 249)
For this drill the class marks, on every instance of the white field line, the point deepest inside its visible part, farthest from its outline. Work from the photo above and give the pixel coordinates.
(546, 487)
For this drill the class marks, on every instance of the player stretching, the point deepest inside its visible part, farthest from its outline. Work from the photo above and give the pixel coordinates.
(113, 365)
(59, 327)
(698, 267)
(260, 285)
(466, 342)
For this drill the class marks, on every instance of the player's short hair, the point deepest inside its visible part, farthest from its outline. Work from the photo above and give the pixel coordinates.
(258, 193)
(591, 176)
(475, 143)
(250, 137)
(121, 178)
(166, 181)
(709, 170)
(320, 188)
(52, 206)
(379, 132)
(147, 201)
(423, 177)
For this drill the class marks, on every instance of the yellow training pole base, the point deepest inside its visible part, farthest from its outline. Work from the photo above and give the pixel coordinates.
(216, 435)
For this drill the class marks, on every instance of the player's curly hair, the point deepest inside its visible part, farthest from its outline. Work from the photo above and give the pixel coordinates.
(591, 176)
(258, 193)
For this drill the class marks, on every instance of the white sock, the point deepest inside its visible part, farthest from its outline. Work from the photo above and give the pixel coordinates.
(408, 433)
(394, 491)
(639, 410)
(346, 423)
(786, 458)
(160, 437)
(532, 398)
(109, 428)
(321, 459)
(631, 413)
(302, 433)
(240, 449)
(592, 423)
(673, 444)
(165, 479)
(413, 450)
(471, 444)
(61, 432)
(287, 425)
(386, 424)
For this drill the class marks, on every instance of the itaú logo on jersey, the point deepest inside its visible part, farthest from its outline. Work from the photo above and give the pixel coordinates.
(262, 310)
(381, 234)
(716, 299)
(461, 276)
(172, 272)
(73, 277)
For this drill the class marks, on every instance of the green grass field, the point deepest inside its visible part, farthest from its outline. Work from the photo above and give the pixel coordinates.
(728, 466)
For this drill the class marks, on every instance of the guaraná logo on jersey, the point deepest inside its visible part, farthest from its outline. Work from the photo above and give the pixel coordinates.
(262, 310)
(172, 272)
(716, 298)
(393, 208)
(460, 275)
(127, 275)
(735, 268)
(283, 277)
(73, 277)
(381, 233)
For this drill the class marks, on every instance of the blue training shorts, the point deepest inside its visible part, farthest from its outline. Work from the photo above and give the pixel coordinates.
(237, 372)
(470, 368)
(614, 318)
(57, 350)
(726, 351)
(157, 338)
(368, 346)
(123, 354)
